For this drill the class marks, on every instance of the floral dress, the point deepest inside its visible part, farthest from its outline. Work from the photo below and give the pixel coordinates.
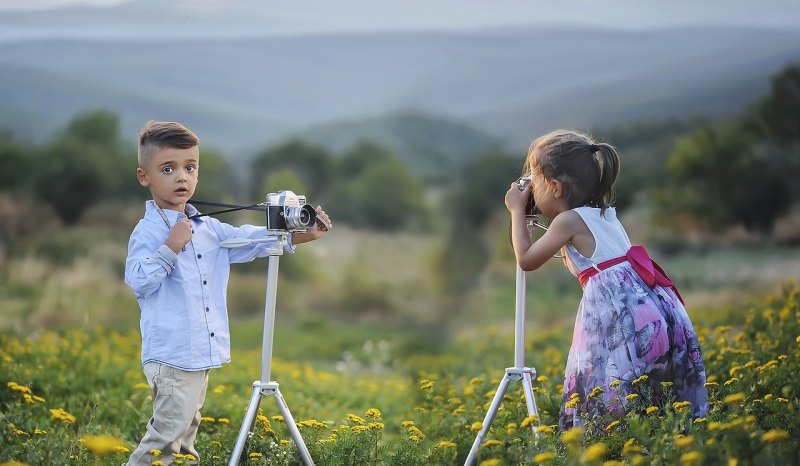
(624, 330)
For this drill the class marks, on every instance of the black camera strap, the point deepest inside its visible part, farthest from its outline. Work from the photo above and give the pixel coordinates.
(231, 207)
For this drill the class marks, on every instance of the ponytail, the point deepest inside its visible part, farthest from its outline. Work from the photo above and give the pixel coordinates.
(607, 161)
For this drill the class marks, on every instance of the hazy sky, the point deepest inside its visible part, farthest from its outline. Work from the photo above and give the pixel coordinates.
(271, 16)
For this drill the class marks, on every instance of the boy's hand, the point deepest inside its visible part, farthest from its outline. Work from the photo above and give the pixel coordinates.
(321, 226)
(179, 235)
(323, 221)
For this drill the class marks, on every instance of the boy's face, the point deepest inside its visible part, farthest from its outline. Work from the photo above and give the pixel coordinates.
(171, 175)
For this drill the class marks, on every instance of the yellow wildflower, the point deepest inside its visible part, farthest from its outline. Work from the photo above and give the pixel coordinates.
(492, 462)
(734, 398)
(491, 443)
(632, 397)
(775, 435)
(544, 457)
(529, 420)
(594, 452)
(631, 447)
(355, 419)
(58, 414)
(651, 409)
(572, 436)
(224, 420)
(684, 441)
(544, 430)
(155, 452)
(476, 426)
(615, 383)
(426, 384)
(446, 444)
(255, 455)
(373, 413)
(692, 458)
(611, 426)
(641, 379)
(102, 444)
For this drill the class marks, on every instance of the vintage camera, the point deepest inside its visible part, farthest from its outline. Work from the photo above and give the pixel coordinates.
(286, 211)
(530, 207)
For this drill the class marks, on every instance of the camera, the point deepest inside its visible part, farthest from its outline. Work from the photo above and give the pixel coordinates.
(286, 211)
(530, 207)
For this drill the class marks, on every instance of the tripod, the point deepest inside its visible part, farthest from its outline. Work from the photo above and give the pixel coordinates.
(265, 387)
(517, 373)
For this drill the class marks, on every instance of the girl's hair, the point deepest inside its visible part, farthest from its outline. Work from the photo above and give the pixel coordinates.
(585, 168)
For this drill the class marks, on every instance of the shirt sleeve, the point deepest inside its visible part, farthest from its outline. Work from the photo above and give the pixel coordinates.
(148, 264)
(250, 252)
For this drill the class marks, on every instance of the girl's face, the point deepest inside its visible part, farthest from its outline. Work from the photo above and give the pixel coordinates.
(547, 194)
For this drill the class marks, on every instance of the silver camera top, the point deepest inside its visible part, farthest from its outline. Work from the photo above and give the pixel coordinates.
(285, 198)
(523, 182)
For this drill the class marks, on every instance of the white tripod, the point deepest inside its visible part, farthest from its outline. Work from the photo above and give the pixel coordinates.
(517, 373)
(265, 387)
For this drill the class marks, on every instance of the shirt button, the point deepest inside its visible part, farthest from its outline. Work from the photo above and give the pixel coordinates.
(212, 334)
(204, 282)
(207, 309)
(199, 256)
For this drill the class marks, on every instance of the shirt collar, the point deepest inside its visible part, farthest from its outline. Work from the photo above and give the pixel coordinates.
(151, 213)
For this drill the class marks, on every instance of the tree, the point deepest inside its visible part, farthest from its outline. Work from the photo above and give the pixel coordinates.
(312, 164)
(780, 110)
(89, 160)
(385, 196)
(721, 178)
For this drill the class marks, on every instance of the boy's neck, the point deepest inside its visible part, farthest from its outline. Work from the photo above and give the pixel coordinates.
(180, 208)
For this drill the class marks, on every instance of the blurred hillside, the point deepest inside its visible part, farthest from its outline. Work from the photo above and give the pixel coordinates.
(508, 84)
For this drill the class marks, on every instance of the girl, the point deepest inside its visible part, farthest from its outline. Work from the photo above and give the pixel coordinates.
(631, 320)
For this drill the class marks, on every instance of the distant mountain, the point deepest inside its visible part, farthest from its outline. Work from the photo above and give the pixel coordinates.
(430, 145)
(242, 94)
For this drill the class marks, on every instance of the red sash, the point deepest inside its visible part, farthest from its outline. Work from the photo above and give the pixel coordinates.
(650, 272)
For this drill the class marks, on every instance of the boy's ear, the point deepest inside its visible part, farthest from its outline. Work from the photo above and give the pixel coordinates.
(142, 177)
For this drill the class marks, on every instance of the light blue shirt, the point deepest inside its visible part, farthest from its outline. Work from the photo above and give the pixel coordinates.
(184, 318)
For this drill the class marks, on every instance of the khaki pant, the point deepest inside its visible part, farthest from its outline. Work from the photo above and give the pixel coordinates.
(177, 398)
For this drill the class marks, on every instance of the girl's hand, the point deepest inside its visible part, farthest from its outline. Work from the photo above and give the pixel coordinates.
(517, 198)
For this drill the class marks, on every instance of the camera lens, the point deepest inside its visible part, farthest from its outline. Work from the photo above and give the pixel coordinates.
(300, 218)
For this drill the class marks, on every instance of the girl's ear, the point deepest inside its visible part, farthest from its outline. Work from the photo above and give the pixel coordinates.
(557, 189)
(142, 177)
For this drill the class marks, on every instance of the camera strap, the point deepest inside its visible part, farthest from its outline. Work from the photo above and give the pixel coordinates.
(231, 207)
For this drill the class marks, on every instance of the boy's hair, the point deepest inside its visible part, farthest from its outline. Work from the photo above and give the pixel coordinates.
(159, 134)
(586, 169)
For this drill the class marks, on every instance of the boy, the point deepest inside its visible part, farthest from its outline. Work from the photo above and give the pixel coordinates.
(179, 274)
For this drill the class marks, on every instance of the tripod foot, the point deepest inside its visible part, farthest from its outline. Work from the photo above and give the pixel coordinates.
(268, 389)
(512, 373)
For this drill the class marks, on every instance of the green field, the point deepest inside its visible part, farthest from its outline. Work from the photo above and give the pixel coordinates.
(390, 379)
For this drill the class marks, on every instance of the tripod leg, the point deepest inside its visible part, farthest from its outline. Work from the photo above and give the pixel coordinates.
(247, 425)
(287, 417)
(527, 385)
(487, 421)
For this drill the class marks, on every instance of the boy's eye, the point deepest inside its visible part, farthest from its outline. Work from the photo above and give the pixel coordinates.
(166, 170)
(191, 168)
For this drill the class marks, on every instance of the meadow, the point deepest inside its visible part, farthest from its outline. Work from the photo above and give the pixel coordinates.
(393, 389)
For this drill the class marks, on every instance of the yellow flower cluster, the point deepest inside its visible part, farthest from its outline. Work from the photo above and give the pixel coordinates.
(58, 414)
(103, 444)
